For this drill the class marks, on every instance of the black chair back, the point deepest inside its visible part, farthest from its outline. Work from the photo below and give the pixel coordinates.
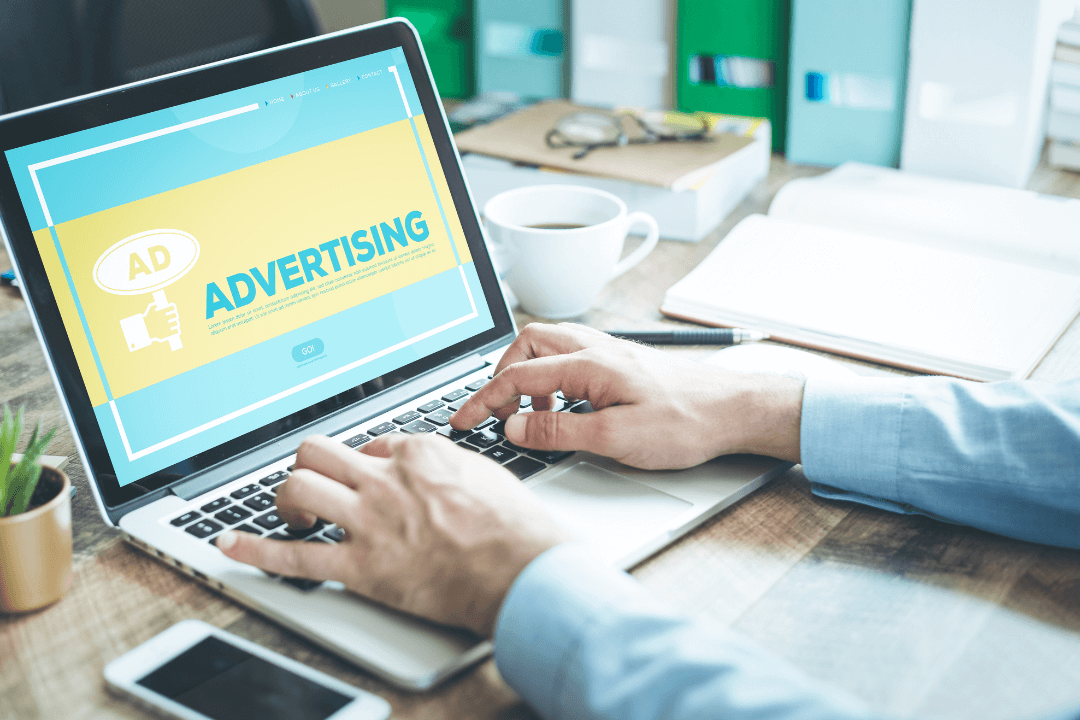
(131, 40)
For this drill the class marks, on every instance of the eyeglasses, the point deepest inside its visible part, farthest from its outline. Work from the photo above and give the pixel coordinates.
(594, 129)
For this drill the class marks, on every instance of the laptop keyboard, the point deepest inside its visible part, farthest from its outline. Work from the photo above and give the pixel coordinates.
(251, 508)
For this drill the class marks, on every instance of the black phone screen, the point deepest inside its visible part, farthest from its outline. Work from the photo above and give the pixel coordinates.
(224, 682)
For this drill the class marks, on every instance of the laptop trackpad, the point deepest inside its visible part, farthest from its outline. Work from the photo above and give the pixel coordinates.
(613, 513)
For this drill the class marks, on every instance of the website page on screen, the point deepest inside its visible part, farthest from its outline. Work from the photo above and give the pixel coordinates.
(224, 263)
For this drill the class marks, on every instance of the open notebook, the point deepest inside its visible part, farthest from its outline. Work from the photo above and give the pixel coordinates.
(933, 275)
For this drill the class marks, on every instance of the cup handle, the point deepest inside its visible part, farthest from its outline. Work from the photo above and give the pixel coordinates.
(645, 248)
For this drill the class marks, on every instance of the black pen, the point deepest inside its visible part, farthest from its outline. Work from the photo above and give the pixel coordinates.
(705, 336)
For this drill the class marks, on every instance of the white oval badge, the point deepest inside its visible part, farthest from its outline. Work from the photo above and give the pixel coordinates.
(146, 262)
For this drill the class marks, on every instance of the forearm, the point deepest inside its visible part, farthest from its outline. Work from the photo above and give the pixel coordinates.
(1003, 457)
(578, 639)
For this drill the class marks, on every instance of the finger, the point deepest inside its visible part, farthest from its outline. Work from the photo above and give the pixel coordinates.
(564, 431)
(542, 376)
(540, 340)
(312, 560)
(383, 446)
(307, 495)
(332, 459)
(543, 402)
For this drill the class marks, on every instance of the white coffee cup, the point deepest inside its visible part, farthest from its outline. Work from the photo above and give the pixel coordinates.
(558, 269)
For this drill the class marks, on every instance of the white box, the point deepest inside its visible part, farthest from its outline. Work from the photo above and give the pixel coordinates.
(977, 79)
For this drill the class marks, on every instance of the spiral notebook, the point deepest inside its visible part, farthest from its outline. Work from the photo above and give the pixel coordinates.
(932, 275)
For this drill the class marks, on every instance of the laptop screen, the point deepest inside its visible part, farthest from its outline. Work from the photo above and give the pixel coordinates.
(224, 263)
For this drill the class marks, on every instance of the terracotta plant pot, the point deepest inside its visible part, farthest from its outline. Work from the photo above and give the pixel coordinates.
(35, 547)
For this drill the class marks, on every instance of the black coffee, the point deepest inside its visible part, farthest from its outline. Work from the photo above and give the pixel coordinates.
(557, 226)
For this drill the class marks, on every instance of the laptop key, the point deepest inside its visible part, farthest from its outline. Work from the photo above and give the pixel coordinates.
(406, 418)
(245, 491)
(381, 429)
(453, 434)
(269, 521)
(302, 583)
(232, 515)
(248, 529)
(476, 385)
(428, 407)
(515, 448)
(304, 532)
(262, 501)
(439, 417)
(203, 528)
(483, 439)
(274, 478)
(499, 454)
(549, 456)
(419, 427)
(185, 518)
(524, 467)
(455, 395)
(582, 408)
(357, 440)
(455, 406)
(337, 534)
(216, 505)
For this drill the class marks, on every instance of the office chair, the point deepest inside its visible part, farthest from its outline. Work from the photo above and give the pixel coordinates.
(129, 40)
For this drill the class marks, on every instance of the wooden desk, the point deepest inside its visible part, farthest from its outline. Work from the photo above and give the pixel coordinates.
(915, 616)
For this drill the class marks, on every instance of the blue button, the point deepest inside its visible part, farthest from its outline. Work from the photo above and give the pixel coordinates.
(308, 350)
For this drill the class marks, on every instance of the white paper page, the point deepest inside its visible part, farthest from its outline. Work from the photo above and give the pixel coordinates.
(921, 300)
(1018, 225)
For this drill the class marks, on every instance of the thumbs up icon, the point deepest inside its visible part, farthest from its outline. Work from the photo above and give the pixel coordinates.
(159, 323)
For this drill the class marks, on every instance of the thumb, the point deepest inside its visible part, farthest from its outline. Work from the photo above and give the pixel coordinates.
(543, 430)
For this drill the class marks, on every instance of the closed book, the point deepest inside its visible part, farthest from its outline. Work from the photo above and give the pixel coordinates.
(676, 165)
(1065, 98)
(933, 275)
(732, 58)
(846, 86)
(1065, 73)
(688, 214)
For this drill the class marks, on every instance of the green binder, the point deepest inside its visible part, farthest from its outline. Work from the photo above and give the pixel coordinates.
(732, 58)
(446, 29)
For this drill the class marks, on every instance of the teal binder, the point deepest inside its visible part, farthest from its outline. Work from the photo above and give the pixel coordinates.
(847, 81)
(732, 58)
(446, 29)
(521, 47)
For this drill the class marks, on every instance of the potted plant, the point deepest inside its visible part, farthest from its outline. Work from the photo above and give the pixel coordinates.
(35, 522)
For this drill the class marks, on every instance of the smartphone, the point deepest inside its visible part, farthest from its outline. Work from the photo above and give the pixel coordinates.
(194, 671)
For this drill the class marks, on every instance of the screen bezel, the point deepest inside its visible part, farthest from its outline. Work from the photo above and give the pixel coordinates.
(60, 119)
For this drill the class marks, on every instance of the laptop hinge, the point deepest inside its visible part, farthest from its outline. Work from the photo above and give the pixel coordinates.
(344, 419)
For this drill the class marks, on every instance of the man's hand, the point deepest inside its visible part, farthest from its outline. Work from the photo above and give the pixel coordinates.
(431, 529)
(653, 410)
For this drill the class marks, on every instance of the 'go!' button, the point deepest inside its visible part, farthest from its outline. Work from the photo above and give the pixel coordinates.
(308, 350)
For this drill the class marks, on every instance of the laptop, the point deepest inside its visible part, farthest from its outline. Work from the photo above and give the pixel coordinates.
(222, 261)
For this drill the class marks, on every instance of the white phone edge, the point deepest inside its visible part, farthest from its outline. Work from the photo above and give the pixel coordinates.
(122, 673)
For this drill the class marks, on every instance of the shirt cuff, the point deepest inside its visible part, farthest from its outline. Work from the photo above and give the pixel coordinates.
(850, 438)
(554, 600)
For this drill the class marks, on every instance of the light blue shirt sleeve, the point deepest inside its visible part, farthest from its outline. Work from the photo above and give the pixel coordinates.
(578, 639)
(1002, 457)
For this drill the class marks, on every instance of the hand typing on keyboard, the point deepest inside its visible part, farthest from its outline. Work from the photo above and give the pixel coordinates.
(430, 528)
(653, 410)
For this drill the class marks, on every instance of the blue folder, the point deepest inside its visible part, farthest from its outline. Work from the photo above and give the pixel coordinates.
(521, 47)
(847, 81)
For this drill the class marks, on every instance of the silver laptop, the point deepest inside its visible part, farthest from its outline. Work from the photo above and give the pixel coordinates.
(222, 261)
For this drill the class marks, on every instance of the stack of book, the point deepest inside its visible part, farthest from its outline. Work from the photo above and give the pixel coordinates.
(1064, 125)
(689, 187)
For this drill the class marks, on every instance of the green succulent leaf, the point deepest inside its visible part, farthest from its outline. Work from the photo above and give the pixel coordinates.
(10, 429)
(21, 499)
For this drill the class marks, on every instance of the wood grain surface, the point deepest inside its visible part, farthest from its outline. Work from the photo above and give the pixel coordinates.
(917, 617)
